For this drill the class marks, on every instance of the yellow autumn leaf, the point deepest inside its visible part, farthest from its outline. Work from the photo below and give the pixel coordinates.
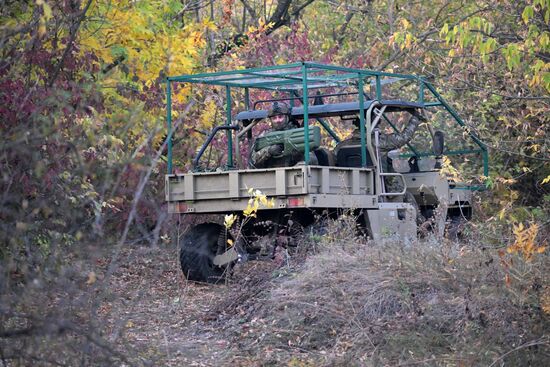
(524, 243)
(229, 220)
(47, 10)
(105, 55)
(41, 27)
(248, 211)
(256, 205)
(90, 43)
(408, 40)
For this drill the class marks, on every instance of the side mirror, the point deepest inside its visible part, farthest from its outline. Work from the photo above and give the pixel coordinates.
(438, 146)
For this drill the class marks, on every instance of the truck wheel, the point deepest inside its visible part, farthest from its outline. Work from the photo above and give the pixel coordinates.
(364, 228)
(455, 228)
(198, 248)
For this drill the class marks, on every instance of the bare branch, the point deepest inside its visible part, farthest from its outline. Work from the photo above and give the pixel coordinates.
(73, 32)
(301, 7)
(340, 35)
(249, 9)
(282, 14)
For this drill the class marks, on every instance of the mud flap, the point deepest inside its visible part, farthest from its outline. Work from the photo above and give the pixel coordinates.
(393, 221)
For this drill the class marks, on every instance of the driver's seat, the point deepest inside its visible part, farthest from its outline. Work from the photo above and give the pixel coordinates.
(350, 156)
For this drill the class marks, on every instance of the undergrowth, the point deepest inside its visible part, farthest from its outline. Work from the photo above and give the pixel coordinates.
(438, 303)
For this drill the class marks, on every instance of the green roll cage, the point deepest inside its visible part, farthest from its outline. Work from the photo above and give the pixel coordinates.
(304, 76)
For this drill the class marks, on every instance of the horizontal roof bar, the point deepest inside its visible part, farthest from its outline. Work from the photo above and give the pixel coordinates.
(323, 73)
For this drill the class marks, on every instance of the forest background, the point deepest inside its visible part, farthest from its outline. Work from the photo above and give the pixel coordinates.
(82, 97)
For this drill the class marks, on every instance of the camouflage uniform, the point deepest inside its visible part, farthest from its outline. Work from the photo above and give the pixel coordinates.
(271, 156)
(393, 141)
(388, 142)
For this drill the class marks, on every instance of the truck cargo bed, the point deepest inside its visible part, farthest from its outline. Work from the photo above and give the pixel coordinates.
(298, 186)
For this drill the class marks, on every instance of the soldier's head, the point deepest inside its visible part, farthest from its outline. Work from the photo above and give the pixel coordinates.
(278, 115)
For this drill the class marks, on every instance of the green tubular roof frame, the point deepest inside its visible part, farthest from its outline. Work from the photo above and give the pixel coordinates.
(305, 76)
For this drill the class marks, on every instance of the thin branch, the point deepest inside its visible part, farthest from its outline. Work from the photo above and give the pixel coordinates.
(114, 64)
(302, 7)
(21, 29)
(69, 48)
(340, 35)
(281, 15)
(249, 9)
(137, 197)
(541, 341)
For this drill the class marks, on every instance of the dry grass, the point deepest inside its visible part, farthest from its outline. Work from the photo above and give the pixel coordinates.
(434, 303)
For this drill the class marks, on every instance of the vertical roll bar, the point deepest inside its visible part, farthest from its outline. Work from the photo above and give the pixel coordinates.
(306, 117)
(228, 123)
(362, 121)
(169, 123)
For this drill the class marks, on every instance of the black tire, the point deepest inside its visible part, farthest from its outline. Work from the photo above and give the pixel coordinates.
(363, 225)
(198, 248)
(455, 228)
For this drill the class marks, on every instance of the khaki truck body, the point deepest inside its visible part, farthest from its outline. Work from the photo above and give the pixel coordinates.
(315, 188)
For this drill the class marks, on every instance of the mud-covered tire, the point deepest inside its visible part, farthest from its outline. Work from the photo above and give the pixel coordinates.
(455, 227)
(198, 248)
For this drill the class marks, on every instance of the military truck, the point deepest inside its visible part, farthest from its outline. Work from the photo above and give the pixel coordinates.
(332, 177)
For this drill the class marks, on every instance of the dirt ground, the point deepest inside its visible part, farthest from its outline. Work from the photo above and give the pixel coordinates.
(363, 304)
(163, 319)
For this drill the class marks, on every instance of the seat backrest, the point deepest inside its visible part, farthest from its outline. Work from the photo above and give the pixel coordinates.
(350, 156)
(325, 157)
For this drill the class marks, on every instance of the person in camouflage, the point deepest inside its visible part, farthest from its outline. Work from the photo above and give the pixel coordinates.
(387, 143)
(271, 156)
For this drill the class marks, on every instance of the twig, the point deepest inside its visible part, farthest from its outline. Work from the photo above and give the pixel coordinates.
(542, 341)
